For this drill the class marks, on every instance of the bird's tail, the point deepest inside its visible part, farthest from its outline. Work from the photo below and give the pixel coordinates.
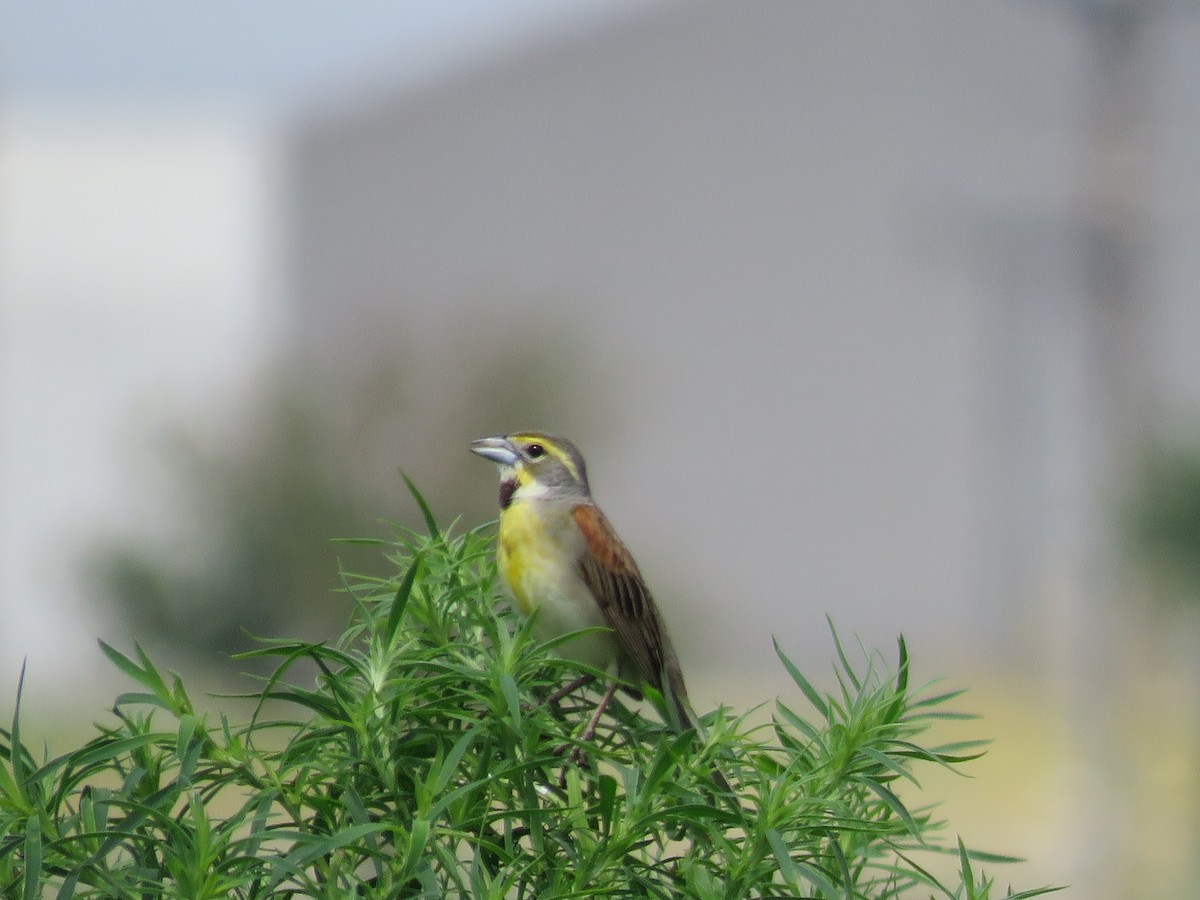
(683, 717)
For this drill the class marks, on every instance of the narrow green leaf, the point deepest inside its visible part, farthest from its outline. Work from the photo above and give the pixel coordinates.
(316, 701)
(141, 698)
(947, 755)
(512, 698)
(842, 659)
(33, 858)
(896, 707)
(358, 813)
(454, 757)
(1036, 892)
(400, 601)
(311, 847)
(8, 786)
(809, 691)
(964, 862)
(1002, 858)
(125, 664)
(103, 750)
(187, 730)
(363, 542)
(418, 838)
(17, 750)
(819, 878)
(888, 763)
(893, 802)
(783, 857)
(431, 525)
(944, 716)
(154, 680)
(275, 647)
(835, 847)
(607, 789)
(67, 891)
(794, 720)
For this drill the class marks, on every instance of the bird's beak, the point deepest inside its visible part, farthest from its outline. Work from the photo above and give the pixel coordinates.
(498, 449)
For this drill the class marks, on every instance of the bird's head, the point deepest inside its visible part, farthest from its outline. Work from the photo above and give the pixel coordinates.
(535, 465)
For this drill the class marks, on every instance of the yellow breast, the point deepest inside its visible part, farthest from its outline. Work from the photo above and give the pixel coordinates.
(538, 555)
(528, 555)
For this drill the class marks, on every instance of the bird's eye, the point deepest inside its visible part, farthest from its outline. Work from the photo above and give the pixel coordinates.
(535, 451)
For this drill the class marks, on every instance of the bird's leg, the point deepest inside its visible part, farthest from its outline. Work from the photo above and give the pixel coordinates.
(590, 732)
(578, 755)
(567, 689)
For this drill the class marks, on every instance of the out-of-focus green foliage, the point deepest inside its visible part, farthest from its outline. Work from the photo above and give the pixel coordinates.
(1163, 522)
(251, 505)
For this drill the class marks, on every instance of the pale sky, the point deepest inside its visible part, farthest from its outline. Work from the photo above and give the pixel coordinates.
(268, 51)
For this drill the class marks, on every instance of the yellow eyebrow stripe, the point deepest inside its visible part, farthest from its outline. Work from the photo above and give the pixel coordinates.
(552, 448)
(564, 458)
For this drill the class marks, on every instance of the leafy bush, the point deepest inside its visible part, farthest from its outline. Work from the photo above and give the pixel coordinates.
(1162, 520)
(425, 762)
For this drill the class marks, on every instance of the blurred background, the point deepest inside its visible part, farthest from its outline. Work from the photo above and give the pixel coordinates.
(886, 312)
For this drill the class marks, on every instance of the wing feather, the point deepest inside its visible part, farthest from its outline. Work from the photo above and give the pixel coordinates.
(608, 569)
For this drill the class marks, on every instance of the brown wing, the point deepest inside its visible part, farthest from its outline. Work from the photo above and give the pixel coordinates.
(609, 570)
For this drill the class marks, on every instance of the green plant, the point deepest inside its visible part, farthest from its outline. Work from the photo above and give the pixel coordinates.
(424, 763)
(1162, 520)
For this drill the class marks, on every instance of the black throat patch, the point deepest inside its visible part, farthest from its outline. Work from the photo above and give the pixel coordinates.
(508, 487)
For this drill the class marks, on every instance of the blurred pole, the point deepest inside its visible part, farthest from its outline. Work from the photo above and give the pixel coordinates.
(1112, 220)
(1113, 212)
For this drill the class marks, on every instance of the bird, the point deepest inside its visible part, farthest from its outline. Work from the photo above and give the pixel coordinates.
(559, 557)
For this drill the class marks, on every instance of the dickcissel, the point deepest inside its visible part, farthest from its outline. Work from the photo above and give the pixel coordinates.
(558, 556)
